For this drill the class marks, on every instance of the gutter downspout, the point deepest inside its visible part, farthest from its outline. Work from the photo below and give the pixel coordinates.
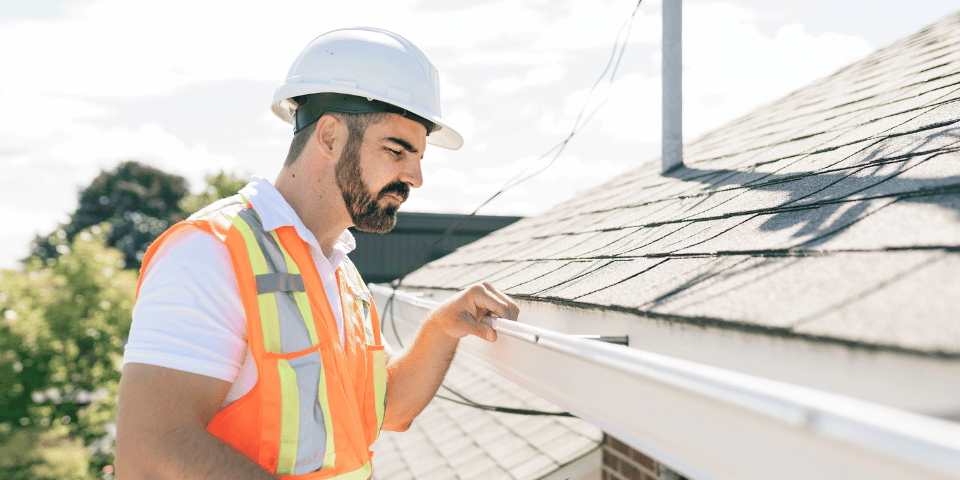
(672, 129)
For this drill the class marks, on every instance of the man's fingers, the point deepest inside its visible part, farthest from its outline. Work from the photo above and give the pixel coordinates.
(471, 306)
(468, 324)
(511, 310)
(487, 298)
(487, 332)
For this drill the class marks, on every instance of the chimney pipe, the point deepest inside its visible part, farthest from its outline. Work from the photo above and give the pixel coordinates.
(672, 140)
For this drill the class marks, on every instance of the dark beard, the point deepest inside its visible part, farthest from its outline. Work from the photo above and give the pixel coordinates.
(365, 210)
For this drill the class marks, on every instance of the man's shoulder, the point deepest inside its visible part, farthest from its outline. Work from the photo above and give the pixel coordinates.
(218, 218)
(219, 214)
(192, 248)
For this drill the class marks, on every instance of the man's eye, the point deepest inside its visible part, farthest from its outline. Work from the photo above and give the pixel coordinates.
(396, 153)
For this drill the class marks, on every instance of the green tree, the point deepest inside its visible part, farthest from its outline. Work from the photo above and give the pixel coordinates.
(220, 185)
(65, 315)
(138, 201)
(63, 325)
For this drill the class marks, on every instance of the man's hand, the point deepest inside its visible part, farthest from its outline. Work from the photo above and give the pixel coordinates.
(463, 314)
(415, 374)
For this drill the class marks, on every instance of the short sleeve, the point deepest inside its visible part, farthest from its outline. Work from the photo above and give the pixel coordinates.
(188, 315)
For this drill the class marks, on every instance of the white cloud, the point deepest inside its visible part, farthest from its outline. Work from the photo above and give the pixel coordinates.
(533, 78)
(36, 115)
(629, 109)
(517, 57)
(20, 231)
(587, 25)
(450, 90)
(514, 75)
(446, 177)
(730, 67)
(500, 173)
(505, 85)
(102, 148)
(574, 170)
(461, 120)
(544, 75)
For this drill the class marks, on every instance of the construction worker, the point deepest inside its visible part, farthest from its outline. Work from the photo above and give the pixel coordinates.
(255, 350)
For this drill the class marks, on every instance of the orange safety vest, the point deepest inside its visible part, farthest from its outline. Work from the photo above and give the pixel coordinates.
(316, 407)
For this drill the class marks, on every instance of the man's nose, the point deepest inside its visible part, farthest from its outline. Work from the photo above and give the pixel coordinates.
(412, 174)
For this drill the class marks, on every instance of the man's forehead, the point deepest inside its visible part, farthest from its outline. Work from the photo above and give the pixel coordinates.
(409, 134)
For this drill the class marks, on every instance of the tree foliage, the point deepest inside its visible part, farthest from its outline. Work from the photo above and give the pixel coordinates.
(138, 201)
(62, 333)
(64, 319)
(221, 185)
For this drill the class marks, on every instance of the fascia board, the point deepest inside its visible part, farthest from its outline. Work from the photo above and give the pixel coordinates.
(908, 381)
(919, 383)
(708, 422)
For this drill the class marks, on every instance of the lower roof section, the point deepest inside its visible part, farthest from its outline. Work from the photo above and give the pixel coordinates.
(450, 440)
(708, 422)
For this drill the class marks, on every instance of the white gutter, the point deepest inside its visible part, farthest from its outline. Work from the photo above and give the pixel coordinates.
(707, 422)
(671, 71)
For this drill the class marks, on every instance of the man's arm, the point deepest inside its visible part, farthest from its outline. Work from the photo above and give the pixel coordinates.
(415, 374)
(161, 428)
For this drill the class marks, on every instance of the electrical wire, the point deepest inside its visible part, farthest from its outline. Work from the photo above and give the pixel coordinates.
(493, 408)
(613, 64)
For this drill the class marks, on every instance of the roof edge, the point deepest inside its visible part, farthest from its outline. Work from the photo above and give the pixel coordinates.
(849, 368)
(722, 323)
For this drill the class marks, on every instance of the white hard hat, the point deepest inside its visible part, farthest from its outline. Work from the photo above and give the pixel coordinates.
(372, 64)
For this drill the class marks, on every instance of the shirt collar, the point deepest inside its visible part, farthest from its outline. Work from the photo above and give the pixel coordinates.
(275, 212)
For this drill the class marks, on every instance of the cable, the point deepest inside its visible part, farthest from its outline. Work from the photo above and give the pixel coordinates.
(616, 55)
(613, 64)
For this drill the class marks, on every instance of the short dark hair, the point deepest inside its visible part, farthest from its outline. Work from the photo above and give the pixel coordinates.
(299, 141)
(357, 124)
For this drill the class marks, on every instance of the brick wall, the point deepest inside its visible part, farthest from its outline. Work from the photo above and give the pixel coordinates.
(621, 462)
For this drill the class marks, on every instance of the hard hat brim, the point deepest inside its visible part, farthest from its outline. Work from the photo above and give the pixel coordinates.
(284, 107)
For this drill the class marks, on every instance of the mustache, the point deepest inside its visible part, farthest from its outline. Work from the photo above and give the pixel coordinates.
(398, 188)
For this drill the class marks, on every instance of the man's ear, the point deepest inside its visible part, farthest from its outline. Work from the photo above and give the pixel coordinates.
(330, 135)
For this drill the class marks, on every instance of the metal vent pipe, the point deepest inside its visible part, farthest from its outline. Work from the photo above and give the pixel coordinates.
(672, 140)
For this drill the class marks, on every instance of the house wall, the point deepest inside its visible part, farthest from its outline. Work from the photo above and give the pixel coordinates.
(621, 462)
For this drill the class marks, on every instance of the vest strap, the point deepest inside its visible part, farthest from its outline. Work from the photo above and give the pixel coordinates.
(280, 282)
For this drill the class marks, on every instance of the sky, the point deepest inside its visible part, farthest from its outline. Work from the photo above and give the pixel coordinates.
(185, 85)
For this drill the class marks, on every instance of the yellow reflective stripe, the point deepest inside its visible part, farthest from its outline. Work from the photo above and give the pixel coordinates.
(269, 318)
(303, 302)
(362, 473)
(379, 384)
(330, 455)
(290, 418)
(269, 321)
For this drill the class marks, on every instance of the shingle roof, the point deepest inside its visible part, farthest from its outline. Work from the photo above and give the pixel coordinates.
(452, 441)
(832, 214)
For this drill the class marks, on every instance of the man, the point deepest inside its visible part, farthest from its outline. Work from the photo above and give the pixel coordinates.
(255, 351)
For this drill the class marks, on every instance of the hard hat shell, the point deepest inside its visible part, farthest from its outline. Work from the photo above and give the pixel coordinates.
(371, 63)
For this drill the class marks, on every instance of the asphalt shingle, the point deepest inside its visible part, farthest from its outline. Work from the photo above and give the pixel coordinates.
(833, 213)
(453, 441)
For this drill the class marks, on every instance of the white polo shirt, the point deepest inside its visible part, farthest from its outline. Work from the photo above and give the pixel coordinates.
(189, 315)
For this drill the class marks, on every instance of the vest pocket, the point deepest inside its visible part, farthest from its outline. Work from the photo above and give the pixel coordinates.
(306, 436)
